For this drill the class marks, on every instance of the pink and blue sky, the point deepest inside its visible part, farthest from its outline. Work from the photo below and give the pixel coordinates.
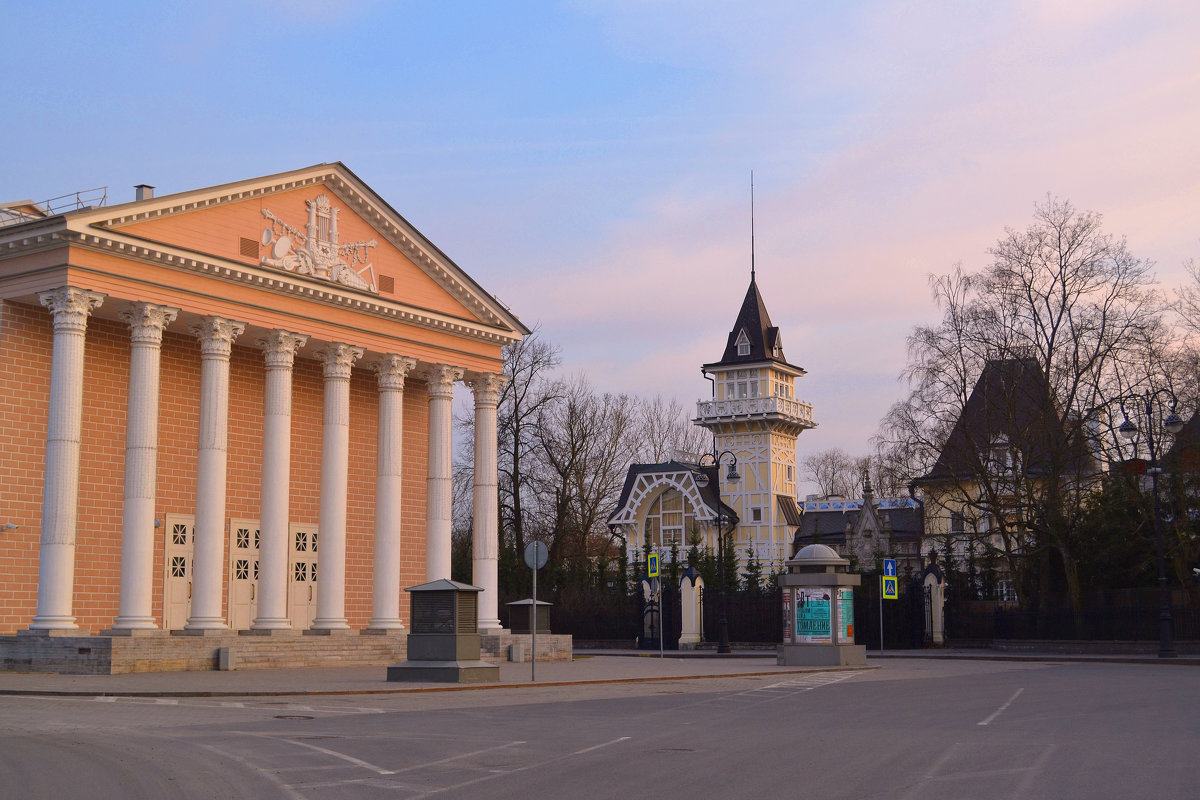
(588, 162)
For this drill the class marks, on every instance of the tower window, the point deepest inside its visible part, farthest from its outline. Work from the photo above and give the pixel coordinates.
(743, 343)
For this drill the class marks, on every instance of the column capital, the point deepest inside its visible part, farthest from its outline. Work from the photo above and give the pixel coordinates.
(441, 379)
(71, 306)
(338, 359)
(216, 335)
(147, 321)
(487, 387)
(279, 348)
(392, 370)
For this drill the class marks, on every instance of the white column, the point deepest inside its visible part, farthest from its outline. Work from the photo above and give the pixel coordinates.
(146, 324)
(485, 562)
(70, 308)
(216, 337)
(279, 354)
(385, 605)
(440, 379)
(335, 464)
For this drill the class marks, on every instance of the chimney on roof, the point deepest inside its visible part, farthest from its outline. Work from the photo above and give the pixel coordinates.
(143, 191)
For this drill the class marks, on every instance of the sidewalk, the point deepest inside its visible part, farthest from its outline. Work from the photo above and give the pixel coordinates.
(588, 667)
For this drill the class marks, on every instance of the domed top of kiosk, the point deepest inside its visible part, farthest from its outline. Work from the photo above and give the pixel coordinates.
(819, 554)
(817, 558)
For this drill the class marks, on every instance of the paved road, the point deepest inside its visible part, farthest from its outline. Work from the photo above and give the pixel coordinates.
(913, 729)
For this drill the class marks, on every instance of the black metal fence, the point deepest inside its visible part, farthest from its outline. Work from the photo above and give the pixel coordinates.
(590, 614)
(903, 619)
(1125, 615)
(661, 619)
(754, 617)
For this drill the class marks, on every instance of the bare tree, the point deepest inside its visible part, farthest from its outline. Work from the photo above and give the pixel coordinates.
(1187, 302)
(1065, 318)
(666, 431)
(587, 442)
(532, 391)
(1187, 355)
(834, 471)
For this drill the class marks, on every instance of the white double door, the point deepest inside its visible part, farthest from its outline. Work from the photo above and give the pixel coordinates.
(245, 538)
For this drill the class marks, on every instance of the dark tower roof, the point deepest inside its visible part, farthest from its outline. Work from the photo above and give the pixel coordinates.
(764, 339)
(1012, 399)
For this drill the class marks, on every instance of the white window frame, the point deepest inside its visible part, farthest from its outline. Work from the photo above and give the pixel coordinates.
(743, 343)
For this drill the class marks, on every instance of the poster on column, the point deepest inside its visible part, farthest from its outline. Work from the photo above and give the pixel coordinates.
(813, 623)
(845, 601)
(787, 616)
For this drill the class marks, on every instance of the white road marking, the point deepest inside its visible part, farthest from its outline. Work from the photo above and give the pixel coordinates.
(918, 787)
(458, 757)
(598, 746)
(499, 773)
(1034, 771)
(1001, 709)
(358, 762)
(193, 702)
(264, 772)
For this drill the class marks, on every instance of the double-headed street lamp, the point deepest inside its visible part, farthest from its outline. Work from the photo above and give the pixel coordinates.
(1172, 424)
(702, 481)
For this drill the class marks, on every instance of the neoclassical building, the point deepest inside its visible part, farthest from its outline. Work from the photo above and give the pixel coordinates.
(754, 417)
(230, 409)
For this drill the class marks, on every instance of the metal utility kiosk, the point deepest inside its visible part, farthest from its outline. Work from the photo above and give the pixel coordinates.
(444, 643)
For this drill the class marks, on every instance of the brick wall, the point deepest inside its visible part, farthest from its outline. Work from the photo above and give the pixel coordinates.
(26, 337)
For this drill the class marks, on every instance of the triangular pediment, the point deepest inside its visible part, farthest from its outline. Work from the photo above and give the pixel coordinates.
(320, 225)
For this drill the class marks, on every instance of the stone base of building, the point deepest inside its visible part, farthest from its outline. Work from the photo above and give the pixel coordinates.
(821, 655)
(494, 646)
(73, 653)
(160, 651)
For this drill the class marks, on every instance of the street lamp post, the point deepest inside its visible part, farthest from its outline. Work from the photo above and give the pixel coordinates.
(1172, 424)
(702, 481)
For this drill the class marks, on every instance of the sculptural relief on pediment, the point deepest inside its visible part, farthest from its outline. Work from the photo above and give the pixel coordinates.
(316, 251)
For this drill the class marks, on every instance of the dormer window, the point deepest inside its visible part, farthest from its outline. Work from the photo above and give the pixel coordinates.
(1000, 457)
(743, 343)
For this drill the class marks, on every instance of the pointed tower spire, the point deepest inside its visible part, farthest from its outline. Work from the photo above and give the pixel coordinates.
(751, 226)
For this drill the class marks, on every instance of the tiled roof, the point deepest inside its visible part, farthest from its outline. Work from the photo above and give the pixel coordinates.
(766, 344)
(1011, 399)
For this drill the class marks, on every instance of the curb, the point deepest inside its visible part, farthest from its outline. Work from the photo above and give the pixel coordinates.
(422, 689)
(1052, 658)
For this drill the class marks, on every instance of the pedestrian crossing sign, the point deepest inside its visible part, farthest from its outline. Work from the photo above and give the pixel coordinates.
(891, 591)
(652, 565)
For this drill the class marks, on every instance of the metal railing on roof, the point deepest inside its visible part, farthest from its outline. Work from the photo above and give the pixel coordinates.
(14, 214)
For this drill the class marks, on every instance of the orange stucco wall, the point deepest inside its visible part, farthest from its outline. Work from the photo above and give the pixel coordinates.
(218, 231)
(26, 337)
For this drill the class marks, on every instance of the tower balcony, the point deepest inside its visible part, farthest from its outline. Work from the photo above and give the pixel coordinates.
(781, 411)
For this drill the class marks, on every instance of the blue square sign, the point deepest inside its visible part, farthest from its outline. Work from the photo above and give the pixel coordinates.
(889, 567)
